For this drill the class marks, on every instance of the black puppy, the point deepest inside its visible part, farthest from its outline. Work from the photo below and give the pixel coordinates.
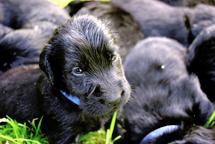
(83, 82)
(156, 18)
(164, 95)
(159, 19)
(30, 13)
(25, 28)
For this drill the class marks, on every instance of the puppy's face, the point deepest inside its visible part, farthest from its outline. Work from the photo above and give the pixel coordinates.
(83, 61)
(163, 92)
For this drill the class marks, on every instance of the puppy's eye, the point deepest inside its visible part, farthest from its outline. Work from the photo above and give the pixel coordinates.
(77, 71)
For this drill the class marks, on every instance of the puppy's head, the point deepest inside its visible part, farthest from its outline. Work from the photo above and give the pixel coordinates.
(164, 94)
(81, 59)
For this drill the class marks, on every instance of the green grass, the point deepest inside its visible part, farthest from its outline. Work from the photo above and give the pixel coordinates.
(101, 136)
(12, 132)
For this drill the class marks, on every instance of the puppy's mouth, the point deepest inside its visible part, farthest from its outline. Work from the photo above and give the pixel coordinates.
(99, 108)
(156, 134)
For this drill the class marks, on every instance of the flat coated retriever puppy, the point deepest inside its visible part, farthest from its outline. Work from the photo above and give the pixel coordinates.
(83, 82)
(165, 102)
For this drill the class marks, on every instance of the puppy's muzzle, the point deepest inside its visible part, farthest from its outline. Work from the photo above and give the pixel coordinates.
(108, 94)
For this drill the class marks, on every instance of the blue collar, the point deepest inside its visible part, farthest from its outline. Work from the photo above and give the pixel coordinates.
(71, 98)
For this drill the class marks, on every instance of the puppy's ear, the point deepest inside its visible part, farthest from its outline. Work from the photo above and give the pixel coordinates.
(45, 65)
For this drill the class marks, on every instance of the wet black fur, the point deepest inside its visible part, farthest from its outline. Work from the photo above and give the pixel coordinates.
(163, 94)
(102, 88)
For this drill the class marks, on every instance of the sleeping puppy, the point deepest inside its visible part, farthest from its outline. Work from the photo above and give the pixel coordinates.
(158, 19)
(25, 28)
(201, 59)
(30, 13)
(83, 82)
(22, 47)
(165, 100)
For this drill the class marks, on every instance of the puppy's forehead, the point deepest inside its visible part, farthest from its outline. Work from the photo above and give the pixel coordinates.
(87, 39)
(86, 32)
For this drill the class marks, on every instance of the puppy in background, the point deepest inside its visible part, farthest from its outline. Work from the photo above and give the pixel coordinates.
(25, 28)
(166, 101)
(83, 82)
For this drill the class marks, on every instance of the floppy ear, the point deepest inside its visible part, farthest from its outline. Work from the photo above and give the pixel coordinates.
(45, 64)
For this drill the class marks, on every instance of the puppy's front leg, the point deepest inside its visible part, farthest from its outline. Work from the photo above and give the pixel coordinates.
(60, 130)
(62, 134)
